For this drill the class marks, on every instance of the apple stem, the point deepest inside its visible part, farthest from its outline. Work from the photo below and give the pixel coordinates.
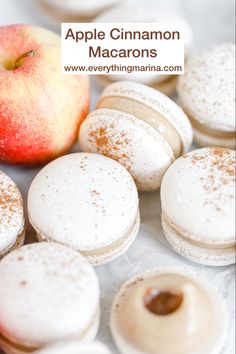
(29, 54)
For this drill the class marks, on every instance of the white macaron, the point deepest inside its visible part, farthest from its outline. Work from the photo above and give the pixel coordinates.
(168, 311)
(145, 13)
(141, 128)
(49, 292)
(88, 202)
(12, 232)
(207, 94)
(75, 347)
(198, 206)
(75, 10)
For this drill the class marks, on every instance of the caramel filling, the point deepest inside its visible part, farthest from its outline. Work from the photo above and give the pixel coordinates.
(103, 250)
(190, 238)
(148, 115)
(163, 303)
(211, 132)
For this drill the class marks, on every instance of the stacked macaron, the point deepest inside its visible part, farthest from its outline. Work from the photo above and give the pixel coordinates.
(200, 223)
(207, 94)
(48, 292)
(76, 10)
(88, 202)
(142, 13)
(139, 127)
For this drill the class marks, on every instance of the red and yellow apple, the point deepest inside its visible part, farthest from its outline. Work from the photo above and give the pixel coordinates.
(40, 108)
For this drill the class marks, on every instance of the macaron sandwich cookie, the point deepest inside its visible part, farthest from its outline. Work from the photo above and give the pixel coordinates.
(143, 13)
(168, 311)
(88, 202)
(198, 206)
(12, 232)
(49, 292)
(139, 127)
(207, 94)
(76, 10)
(75, 347)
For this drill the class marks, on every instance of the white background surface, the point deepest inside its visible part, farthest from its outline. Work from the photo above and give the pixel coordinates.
(212, 21)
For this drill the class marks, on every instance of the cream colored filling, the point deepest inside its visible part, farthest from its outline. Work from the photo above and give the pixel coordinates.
(191, 325)
(148, 115)
(28, 349)
(190, 238)
(209, 131)
(103, 250)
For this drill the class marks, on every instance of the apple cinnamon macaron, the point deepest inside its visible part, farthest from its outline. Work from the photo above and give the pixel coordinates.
(49, 292)
(168, 311)
(76, 10)
(207, 94)
(198, 206)
(139, 127)
(12, 231)
(75, 347)
(145, 13)
(88, 202)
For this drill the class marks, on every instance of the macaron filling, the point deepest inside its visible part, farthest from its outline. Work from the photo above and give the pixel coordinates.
(113, 248)
(193, 240)
(162, 303)
(147, 114)
(209, 131)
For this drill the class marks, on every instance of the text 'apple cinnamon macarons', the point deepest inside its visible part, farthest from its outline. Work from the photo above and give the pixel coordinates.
(145, 13)
(40, 108)
(75, 347)
(168, 311)
(49, 292)
(76, 10)
(139, 127)
(207, 94)
(198, 206)
(88, 202)
(12, 232)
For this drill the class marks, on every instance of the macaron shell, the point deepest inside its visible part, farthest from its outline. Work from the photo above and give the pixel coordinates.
(48, 292)
(126, 347)
(195, 253)
(207, 89)
(202, 184)
(75, 347)
(156, 100)
(86, 201)
(131, 141)
(203, 140)
(11, 214)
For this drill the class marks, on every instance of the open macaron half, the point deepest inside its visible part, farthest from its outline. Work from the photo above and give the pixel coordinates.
(198, 206)
(139, 127)
(88, 202)
(168, 311)
(12, 230)
(49, 292)
(207, 95)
